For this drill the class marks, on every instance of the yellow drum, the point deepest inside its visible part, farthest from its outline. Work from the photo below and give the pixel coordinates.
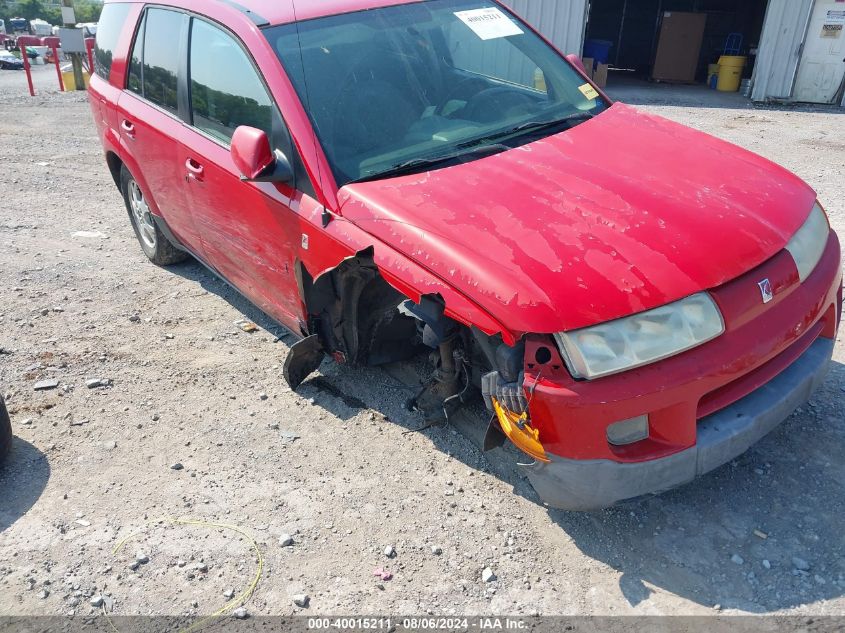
(730, 72)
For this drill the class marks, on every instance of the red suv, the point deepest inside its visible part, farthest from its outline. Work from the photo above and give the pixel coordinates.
(637, 302)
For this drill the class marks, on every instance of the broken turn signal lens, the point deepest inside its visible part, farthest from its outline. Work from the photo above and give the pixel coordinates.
(520, 432)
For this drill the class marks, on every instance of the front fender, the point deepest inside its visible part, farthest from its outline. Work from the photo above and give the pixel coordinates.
(324, 248)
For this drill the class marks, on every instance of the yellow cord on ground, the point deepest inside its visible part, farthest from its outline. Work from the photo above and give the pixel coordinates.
(234, 602)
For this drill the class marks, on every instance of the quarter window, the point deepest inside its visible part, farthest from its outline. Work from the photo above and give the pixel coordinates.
(226, 91)
(136, 61)
(111, 24)
(160, 42)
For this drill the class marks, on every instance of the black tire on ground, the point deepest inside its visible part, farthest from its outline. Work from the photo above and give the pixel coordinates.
(5, 431)
(155, 245)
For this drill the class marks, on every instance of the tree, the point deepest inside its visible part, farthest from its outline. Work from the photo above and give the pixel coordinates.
(87, 11)
(31, 9)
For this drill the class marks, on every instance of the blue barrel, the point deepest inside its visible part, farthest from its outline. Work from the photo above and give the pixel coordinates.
(599, 50)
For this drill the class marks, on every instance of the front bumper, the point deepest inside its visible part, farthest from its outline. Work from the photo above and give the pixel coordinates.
(572, 484)
(764, 365)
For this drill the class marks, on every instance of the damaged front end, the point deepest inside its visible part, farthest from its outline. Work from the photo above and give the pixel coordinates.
(505, 397)
(443, 392)
(357, 318)
(353, 316)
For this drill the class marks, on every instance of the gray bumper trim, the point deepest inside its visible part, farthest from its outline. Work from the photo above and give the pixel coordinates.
(594, 484)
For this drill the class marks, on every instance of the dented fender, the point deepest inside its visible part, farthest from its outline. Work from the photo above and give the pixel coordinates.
(323, 249)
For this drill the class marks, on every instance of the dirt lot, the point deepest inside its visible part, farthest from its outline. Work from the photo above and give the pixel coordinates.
(332, 466)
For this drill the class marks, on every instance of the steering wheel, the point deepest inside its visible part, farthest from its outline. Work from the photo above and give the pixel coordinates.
(458, 89)
(486, 105)
(368, 110)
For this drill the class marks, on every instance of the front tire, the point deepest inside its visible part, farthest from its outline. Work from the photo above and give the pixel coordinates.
(5, 431)
(155, 245)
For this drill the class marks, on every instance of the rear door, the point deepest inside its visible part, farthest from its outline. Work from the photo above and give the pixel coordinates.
(149, 118)
(250, 231)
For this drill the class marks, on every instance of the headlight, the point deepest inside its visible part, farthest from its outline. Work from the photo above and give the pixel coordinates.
(807, 246)
(641, 339)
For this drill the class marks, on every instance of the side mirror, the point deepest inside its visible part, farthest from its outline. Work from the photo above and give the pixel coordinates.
(254, 158)
(576, 61)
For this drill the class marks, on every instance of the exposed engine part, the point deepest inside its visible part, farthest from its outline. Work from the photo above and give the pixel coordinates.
(510, 394)
(354, 313)
(510, 361)
(486, 344)
(447, 357)
(438, 328)
(443, 393)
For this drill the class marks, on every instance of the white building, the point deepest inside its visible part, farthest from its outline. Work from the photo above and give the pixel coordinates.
(795, 48)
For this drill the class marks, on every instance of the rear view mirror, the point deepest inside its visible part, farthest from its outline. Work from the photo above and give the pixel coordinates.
(573, 59)
(254, 158)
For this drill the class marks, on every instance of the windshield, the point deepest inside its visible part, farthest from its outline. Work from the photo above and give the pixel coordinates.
(403, 88)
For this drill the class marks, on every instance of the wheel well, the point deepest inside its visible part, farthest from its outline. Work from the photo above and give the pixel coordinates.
(355, 312)
(115, 165)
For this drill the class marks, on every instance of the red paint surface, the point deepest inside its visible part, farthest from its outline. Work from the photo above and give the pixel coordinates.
(622, 213)
(283, 11)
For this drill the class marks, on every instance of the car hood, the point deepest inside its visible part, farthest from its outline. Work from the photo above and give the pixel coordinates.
(623, 213)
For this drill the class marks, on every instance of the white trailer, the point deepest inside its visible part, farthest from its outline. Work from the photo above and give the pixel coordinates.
(40, 28)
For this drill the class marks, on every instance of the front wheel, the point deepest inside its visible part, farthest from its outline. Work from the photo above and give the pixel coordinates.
(5, 431)
(155, 245)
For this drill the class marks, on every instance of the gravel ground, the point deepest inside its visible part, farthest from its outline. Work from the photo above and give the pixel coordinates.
(332, 466)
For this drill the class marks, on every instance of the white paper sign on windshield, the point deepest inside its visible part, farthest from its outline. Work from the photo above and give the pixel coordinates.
(489, 24)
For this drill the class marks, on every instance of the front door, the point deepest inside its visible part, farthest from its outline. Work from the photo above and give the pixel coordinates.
(250, 231)
(822, 68)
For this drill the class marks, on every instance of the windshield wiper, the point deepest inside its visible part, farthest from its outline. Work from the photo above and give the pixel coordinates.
(531, 126)
(420, 164)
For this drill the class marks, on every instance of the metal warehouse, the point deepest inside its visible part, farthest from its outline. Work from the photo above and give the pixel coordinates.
(784, 50)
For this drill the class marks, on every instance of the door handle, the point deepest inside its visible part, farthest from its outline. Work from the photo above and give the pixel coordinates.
(195, 170)
(128, 127)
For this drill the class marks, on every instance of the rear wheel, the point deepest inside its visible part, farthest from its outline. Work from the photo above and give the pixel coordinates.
(155, 245)
(5, 431)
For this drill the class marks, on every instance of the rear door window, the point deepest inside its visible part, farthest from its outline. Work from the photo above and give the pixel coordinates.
(111, 25)
(160, 40)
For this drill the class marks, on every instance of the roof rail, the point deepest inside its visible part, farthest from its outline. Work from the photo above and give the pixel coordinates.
(252, 15)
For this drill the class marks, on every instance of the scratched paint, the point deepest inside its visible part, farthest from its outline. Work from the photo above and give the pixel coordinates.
(621, 214)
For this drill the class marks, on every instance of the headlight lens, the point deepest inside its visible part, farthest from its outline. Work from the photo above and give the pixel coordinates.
(809, 242)
(641, 339)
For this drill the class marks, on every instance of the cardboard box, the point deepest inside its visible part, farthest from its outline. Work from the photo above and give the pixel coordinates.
(596, 72)
(679, 46)
(600, 76)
